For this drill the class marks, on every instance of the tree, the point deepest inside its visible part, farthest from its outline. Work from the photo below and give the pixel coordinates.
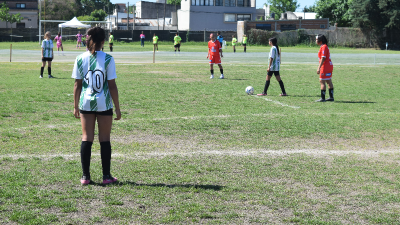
(309, 9)
(89, 6)
(376, 16)
(96, 15)
(7, 17)
(173, 2)
(280, 6)
(336, 10)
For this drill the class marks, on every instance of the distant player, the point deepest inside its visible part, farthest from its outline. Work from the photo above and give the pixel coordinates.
(234, 41)
(244, 42)
(274, 67)
(325, 68)
(220, 39)
(79, 39)
(177, 42)
(111, 41)
(58, 40)
(95, 91)
(47, 53)
(155, 41)
(142, 37)
(214, 51)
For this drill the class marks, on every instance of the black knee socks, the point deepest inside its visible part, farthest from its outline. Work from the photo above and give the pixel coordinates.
(86, 153)
(323, 94)
(49, 70)
(331, 93)
(105, 150)
(221, 70)
(212, 72)
(282, 87)
(266, 86)
(41, 70)
(111, 49)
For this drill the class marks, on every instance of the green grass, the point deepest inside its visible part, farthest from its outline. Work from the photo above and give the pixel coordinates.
(192, 47)
(193, 150)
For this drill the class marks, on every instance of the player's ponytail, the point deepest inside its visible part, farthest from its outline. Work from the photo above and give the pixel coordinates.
(95, 39)
(274, 42)
(322, 38)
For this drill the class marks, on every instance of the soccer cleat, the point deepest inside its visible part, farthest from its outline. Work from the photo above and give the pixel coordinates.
(221, 77)
(283, 94)
(330, 100)
(212, 77)
(50, 76)
(108, 179)
(262, 94)
(41, 76)
(85, 180)
(321, 100)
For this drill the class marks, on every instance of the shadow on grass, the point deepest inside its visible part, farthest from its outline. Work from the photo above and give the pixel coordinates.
(309, 96)
(197, 186)
(239, 79)
(353, 102)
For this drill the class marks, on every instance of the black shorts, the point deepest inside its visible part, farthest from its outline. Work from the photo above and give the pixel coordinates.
(103, 113)
(276, 73)
(244, 45)
(177, 46)
(110, 44)
(47, 59)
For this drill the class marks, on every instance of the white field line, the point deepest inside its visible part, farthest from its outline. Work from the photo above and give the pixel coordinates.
(238, 153)
(279, 103)
(51, 126)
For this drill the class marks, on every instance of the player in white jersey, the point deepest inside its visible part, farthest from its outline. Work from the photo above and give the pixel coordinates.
(274, 67)
(95, 91)
(47, 53)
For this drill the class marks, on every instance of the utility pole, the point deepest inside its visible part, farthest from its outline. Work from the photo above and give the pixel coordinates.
(127, 23)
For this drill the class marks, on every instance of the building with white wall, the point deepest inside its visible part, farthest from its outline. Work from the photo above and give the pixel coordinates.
(215, 15)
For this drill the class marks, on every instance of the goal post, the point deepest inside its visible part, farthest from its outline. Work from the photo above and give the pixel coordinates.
(63, 21)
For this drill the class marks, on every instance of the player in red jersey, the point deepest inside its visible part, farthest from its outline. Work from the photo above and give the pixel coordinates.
(214, 50)
(325, 68)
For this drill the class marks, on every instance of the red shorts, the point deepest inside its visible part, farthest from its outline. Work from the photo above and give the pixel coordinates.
(325, 75)
(215, 59)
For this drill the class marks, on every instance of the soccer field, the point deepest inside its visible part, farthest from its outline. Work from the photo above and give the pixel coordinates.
(193, 150)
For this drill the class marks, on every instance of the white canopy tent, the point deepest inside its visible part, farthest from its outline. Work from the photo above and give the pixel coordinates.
(74, 23)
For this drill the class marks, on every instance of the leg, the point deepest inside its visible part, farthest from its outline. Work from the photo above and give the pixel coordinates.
(323, 90)
(267, 82)
(212, 70)
(221, 70)
(88, 123)
(105, 124)
(330, 86)
(278, 78)
(49, 69)
(42, 69)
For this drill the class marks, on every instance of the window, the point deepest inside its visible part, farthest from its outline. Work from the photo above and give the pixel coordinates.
(240, 3)
(230, 18)
(21, 6)
(263, 26)
(322, 26)
(20, 25)
(203, 2)
(247, 3)
(243, 17)
(230, 2)
(219, 2)
(288, 27)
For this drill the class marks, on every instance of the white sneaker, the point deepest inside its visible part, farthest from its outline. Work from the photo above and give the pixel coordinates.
(221, 77)
(212, 76)
(41, 76)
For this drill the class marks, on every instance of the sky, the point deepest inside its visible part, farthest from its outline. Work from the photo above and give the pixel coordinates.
(260, 3)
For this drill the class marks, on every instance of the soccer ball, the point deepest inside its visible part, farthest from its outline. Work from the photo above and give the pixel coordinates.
(249, 90)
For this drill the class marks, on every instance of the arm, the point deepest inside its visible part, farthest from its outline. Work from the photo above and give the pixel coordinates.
(42, 52)
(220, 51)
(114, 95)
(320, 65)
(270, 63)
(77, 94)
